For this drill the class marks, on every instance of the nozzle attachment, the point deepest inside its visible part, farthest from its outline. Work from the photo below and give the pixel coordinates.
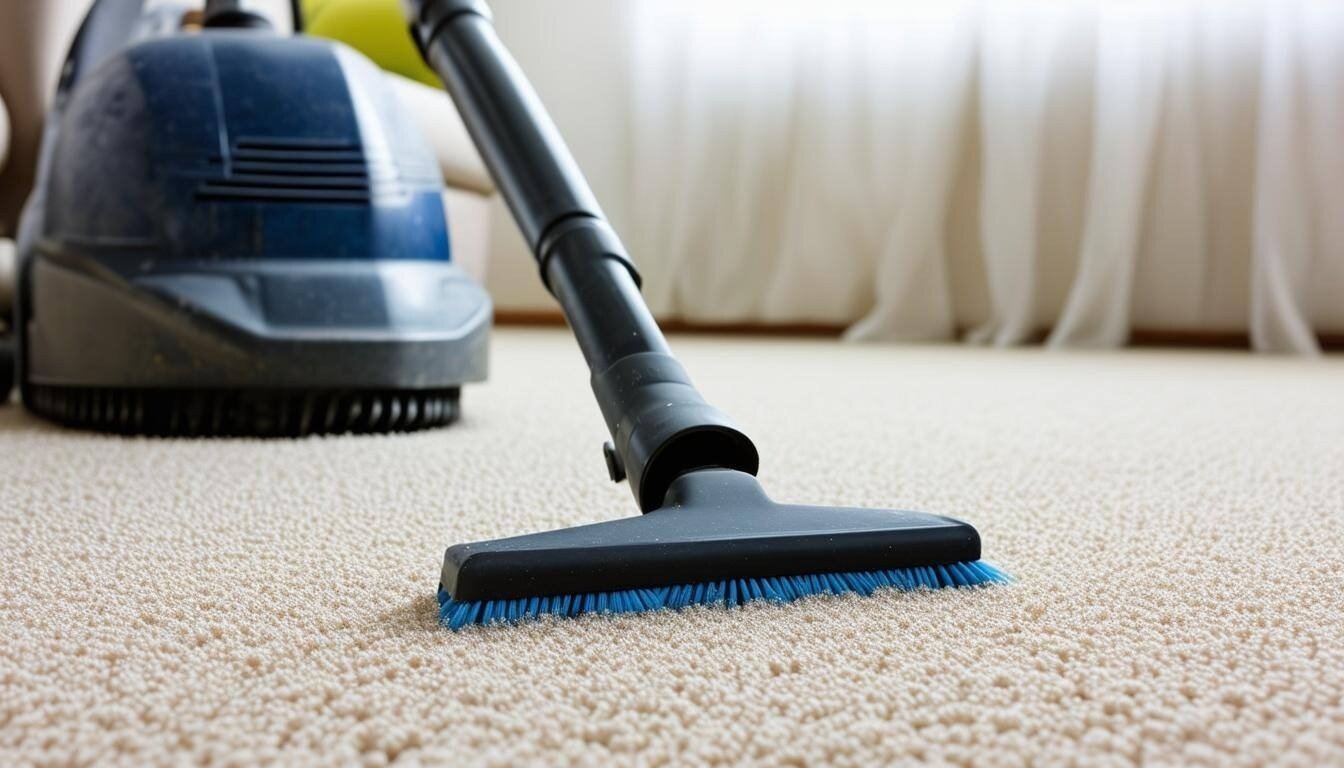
(714, 524)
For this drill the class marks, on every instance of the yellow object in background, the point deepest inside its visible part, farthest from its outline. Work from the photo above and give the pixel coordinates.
(375, 28)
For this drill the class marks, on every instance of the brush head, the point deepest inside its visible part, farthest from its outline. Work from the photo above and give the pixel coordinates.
(243, 412)
(717, 539)
(728, 593)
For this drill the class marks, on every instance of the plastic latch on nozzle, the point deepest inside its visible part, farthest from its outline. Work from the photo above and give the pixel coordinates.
(615, 469)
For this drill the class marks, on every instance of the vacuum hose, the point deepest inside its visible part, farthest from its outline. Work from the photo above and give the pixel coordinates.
(660, 425)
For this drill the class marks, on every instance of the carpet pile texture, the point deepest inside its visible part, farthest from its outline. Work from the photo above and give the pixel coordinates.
(1175, 521)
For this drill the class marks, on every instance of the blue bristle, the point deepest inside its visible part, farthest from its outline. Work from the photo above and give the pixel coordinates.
(729, 593)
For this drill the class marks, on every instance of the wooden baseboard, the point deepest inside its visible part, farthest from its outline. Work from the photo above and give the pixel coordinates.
(1140, 337)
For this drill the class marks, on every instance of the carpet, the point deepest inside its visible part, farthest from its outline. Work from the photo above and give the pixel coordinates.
(1173, 520)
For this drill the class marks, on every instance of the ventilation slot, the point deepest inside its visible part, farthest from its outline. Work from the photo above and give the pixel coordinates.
(297, 170)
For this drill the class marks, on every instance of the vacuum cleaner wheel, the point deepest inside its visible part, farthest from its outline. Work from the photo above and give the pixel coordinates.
(244, 412)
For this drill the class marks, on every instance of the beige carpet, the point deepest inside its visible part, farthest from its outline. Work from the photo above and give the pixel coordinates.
(1174, 519)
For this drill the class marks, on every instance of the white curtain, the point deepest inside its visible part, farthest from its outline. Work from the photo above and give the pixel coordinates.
(916, 169)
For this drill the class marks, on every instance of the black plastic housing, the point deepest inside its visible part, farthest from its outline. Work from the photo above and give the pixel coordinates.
(661, 422)
(660, 425)
(714, 525)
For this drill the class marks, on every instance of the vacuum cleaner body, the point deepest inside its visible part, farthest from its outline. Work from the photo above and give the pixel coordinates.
(242, 233)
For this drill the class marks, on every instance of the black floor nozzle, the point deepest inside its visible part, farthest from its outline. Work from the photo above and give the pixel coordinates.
(714, 524)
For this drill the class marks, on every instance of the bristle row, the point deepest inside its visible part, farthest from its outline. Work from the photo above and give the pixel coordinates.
(728, 593)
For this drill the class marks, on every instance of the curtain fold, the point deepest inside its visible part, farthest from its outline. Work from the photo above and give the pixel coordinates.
(1132, 43)
(1173, 165)
(1018, 54)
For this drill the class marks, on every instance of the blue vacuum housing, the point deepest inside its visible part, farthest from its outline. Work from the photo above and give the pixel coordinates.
(242, 233)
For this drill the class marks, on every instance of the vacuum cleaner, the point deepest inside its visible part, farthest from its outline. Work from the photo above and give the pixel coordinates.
(237, 232)
(236, 235)
(709, 533)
